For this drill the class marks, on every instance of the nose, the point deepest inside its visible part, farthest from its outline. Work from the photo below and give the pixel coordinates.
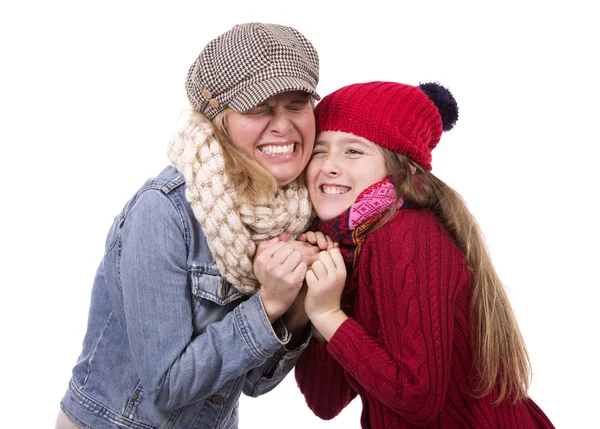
(330, 165)
(281, 122)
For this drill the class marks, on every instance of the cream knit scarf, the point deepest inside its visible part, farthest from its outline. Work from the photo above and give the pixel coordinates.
(232, 229)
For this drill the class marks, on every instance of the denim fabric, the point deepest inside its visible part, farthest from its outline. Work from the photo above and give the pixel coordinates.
(170, 343)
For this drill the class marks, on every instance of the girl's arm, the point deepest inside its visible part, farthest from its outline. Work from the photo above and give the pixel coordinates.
(321, 379)
(323, 382)
(414, 276)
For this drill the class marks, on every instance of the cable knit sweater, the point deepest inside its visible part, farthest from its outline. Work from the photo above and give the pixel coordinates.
(405, 348)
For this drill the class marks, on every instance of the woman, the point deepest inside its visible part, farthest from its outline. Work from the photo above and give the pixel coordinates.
(422, 329)
(178, 326)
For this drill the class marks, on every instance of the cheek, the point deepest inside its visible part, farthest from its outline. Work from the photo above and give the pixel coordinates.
(311, 173)
(244, 132)
(306, 126)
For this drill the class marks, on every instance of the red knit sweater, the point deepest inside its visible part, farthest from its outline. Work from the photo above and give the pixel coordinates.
(405, 348)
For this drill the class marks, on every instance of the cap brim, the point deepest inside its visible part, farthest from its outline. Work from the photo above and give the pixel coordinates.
(258, 92)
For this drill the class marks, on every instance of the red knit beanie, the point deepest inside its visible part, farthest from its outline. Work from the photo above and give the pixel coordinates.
(402, 118)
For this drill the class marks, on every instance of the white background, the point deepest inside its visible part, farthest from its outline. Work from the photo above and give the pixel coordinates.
(91, 91)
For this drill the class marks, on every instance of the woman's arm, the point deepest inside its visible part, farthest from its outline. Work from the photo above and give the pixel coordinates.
(176, 367)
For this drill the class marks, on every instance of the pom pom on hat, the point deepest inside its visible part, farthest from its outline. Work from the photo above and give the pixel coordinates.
(444, 101)
(403, 118)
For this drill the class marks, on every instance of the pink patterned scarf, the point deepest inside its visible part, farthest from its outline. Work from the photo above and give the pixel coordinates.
(351, 227)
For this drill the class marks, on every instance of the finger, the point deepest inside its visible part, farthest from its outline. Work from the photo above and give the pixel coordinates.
(311, 237)
(260, 248)
(308, 251)
(300, 272)
(325, 259)
(291, 262)
(283, 236)
(338, 259)
(321, 240)
(274, 253)
(329, 242)
(302, 237)
(319, 269)
(311, 279)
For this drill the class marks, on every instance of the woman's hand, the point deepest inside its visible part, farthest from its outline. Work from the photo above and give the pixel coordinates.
(280, 270)
(326, 280)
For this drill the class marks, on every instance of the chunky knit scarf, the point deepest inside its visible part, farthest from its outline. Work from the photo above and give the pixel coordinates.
(350, 228)
(232, 228)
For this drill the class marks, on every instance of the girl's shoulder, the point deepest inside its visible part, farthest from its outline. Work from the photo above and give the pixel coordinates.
(416, 220)
(410, 229)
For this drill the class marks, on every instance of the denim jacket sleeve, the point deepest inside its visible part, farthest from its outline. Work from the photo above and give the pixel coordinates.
(265, 378)
(174, 366)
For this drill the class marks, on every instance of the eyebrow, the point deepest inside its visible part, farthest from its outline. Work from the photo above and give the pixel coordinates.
(298, 99)
(352, 140)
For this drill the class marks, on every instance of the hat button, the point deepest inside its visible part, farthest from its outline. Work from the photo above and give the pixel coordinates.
(206, 93)
(214, 103)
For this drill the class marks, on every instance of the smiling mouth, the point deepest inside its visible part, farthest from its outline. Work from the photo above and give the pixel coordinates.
(278, 149)
(334, 190)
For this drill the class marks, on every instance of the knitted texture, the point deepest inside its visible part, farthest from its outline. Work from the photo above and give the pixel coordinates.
(399, 117)
(249, 64)
(350, 228)
(405, 349)
(232, 229)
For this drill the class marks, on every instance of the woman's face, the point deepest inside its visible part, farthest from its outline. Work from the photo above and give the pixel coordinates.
(279, 134)
(342, 166)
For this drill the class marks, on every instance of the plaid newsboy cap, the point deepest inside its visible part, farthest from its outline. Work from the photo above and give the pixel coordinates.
(249, 64)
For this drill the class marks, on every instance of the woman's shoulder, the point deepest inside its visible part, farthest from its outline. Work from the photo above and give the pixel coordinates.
(161, 194)
(167, 181)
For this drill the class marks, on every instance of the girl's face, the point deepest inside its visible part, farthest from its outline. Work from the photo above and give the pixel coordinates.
(278, 134)
(342, 166)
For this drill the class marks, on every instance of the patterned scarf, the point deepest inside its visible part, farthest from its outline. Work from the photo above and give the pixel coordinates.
(351, 227)
(232, 228)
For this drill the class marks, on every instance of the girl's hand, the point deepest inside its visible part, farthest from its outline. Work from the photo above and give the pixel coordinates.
(280, 270)
(309, 244)
(325, 280)
(319, 239)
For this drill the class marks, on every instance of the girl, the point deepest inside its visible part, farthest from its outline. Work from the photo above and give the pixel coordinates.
(422, 329)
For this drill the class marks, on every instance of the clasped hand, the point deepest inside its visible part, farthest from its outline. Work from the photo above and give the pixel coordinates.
(281, 266)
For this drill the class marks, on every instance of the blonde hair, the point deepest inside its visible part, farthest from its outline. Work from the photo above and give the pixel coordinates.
(498, 347)
(251, 181)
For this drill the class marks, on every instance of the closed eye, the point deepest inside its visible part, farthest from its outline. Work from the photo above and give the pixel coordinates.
(354, 152)
(296, 107)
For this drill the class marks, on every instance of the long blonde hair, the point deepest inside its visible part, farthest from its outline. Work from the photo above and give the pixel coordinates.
(498, 347)
(251, 181)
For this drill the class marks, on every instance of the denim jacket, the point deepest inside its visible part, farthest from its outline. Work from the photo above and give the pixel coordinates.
(169, 342)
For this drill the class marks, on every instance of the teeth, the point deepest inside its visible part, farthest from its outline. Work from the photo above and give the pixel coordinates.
(334, 190)
(283, 150)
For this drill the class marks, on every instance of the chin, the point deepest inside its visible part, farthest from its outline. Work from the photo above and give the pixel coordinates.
(286, 179)
(282, 182)
(328, 214)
